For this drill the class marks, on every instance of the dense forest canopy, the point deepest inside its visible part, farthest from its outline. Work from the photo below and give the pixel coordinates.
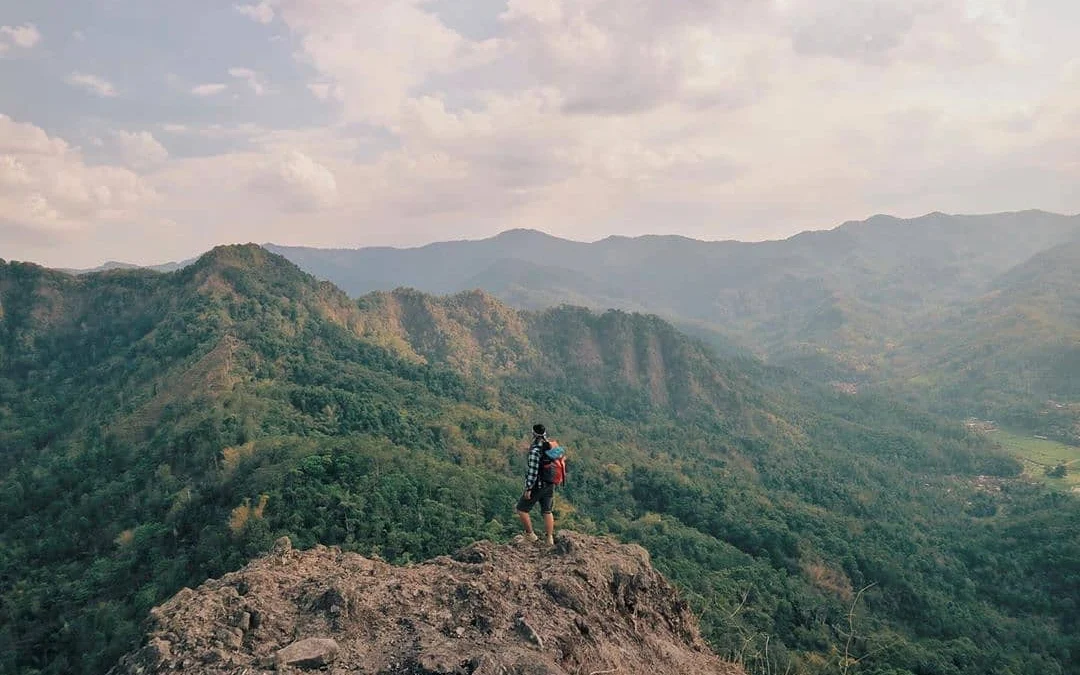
(161, 428)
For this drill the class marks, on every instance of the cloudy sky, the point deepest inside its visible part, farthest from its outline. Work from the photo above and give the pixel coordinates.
(151, 131)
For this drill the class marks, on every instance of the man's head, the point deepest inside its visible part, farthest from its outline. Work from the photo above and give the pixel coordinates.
(539, 430)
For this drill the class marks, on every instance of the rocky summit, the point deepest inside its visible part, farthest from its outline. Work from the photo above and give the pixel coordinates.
(585, 606)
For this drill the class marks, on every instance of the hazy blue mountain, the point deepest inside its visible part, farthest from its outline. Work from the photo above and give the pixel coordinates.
(849, 290)
(117, 265)
(961, 251)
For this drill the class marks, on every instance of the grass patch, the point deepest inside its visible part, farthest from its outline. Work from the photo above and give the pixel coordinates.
(1040, 456)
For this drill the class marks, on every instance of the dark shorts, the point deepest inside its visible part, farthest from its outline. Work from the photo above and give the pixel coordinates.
(544, 495)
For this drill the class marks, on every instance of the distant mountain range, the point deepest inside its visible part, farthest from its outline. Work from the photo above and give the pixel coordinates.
(115, 265)
(916, 305)
(882, 260)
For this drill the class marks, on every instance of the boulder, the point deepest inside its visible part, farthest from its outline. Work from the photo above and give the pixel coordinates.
(309, 653)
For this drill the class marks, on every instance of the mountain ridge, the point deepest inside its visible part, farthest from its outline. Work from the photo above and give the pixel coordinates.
(610, 354)
(820, 241)
(843, 304)
(172, 265)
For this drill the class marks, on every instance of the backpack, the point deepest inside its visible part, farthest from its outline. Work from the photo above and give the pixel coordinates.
(553, 465)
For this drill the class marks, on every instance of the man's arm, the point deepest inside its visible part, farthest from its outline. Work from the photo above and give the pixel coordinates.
(534, 467)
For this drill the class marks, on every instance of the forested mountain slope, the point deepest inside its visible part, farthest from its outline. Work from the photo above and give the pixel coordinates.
(635, 361)
(160, 429)
(1011, 355)
(876, 302)
(883, 301)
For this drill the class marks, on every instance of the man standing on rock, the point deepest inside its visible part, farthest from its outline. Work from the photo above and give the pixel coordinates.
(536, 490)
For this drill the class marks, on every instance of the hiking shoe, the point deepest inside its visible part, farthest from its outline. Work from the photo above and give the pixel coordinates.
(531, 536)
(550, 540)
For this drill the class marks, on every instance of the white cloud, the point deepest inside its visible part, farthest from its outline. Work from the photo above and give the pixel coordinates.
(93, 84)
(78, 35)
(297, 182)
(139, 149)
(262, 12)
(22, 37)
(378, 52)
(618, 59)
(253, 79)
(25, 36)
(232, 134)
(964, 32)
(47, 188)
(212, 89)
(26, 139)
(511, 155)
(325, 91)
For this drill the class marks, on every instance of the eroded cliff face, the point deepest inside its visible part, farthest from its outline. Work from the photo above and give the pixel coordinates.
(585, 606)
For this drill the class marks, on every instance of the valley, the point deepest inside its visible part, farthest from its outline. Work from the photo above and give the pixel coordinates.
(1057, 464)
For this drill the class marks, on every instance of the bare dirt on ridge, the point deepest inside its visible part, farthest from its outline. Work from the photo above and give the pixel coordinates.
(587, 606)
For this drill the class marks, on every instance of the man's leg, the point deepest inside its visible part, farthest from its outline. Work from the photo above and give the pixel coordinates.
(523, 508)
(526, 521)
(547, 499)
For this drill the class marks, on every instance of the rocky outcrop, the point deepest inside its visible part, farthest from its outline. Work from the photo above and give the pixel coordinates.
(587, 605)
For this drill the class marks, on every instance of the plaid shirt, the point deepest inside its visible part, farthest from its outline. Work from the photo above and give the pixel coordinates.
(533, 475)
